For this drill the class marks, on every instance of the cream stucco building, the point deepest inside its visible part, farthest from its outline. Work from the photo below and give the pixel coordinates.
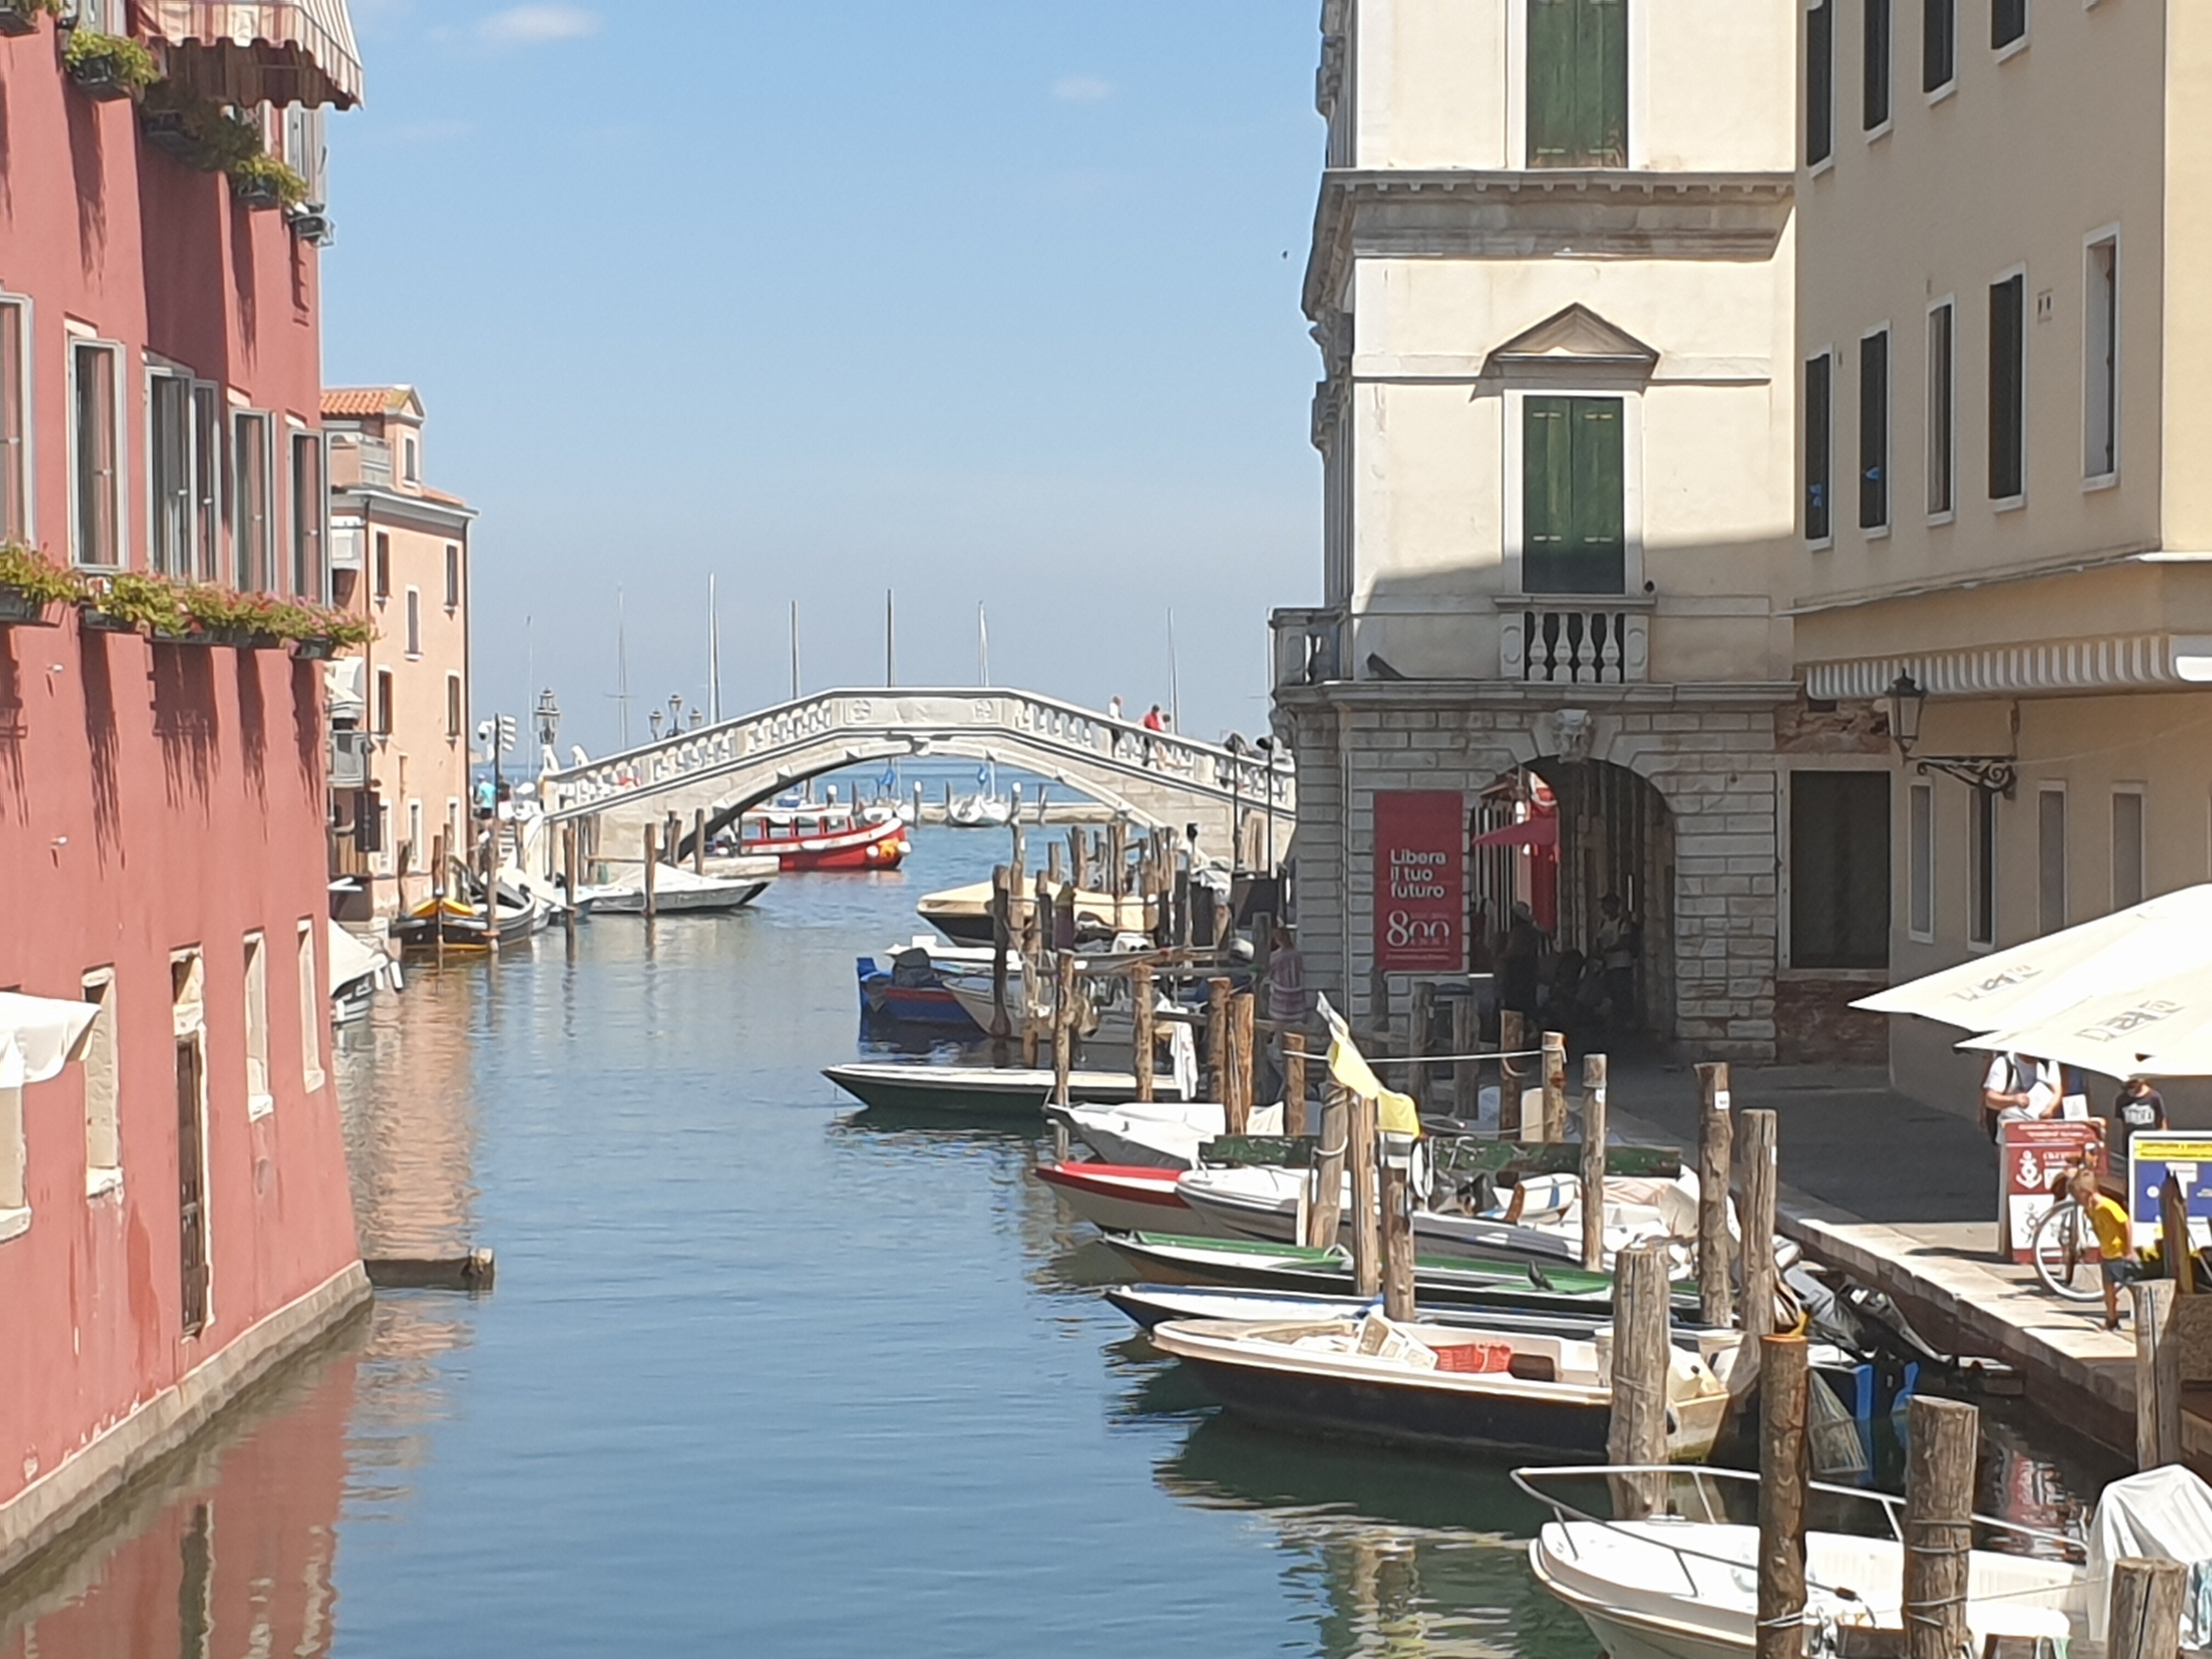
(2004, 498)
(1551, 281)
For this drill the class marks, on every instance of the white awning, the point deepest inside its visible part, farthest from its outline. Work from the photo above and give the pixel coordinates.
(2119, 1033)
(279, 52)
(2130, 952)
(39, 1037)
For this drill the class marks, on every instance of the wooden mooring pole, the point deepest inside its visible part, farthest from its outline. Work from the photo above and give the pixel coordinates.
(1294, 1083)
(571, 869)
(699, 840)
(1716, 1164)
(1002, 938)
(1366, 1232)
(2144, 1621)
(1417, 1041)
(1638, 1432)
(652, 867)
(1237, 1101)
(1942, 1437)
(1142, 1051)
(1217, 1039)
(1063, 1024)
(1325, 1210)
(1783, 1382)
(1555, 1087)
(1397, 1236)
(1758, 1158)
(2158, 1375)
(1466, 1073)
(1512, 1073)
(1593, 1109)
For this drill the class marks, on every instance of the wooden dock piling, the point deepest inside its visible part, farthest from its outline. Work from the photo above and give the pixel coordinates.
(1716, 1164)
(2158, 1375)
(1217, 1039)
(699, 840)
(1417, 1043)
(1002, 940)
(1555, 1087)
(1367, 1229)
(1294, 1083)
(1397, 1239)
(1594, 1112)
(1144, 1050)
(1236, 1099)
(1942, 1437)
(1466, 1073)
(570, 869)
(2145, 1617)
(652, 867)
(1325, 1215)
(1063, 1025)
(1757, 1221)
(1637, 1432)
(1512, 1073)
(1783, 1380)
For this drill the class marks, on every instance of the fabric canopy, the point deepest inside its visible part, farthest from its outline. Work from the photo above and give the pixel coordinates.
(39, 1037)
(246, 52)
(1533, 832)
(2117, 1032)
(352, 960)
(2137, 951)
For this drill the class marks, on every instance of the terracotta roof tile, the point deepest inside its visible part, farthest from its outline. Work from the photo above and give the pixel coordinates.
(359, 402)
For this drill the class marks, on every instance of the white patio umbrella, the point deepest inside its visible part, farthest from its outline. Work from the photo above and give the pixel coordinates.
(2114, 1033)
(2131, 950)
(39, 1037)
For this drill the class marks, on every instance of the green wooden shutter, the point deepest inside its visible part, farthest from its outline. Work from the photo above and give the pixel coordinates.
(1546, 492)
(1552, 58)
(1601, 81)
(1573, 496)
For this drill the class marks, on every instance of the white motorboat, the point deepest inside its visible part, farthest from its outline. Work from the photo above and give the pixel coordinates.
(1684, 1584)
(357, 971)
(1433, 1385)
(1160, 1134)
(979, 812)
(678, 892)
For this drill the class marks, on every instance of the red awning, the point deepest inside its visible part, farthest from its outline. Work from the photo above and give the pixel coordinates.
(1531, 832)
(277, 52)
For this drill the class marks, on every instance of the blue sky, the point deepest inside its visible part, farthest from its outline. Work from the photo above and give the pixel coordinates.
(993, 301)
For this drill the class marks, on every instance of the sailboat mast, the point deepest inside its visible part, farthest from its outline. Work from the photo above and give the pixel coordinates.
(983, 646)
(794, 650)
(891, 642)
(1175, 676)
(622, 663)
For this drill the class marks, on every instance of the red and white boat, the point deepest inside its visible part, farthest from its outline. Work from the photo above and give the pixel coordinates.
(828, 837)
(1121, 1198)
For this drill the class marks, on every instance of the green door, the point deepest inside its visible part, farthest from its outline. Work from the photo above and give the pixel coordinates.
(1573, 512)
(1578, 83)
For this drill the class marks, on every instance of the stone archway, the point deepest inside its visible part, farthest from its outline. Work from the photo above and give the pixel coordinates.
(1609, 833)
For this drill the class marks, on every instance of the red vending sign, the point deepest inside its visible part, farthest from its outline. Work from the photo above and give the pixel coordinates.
(1420, 882)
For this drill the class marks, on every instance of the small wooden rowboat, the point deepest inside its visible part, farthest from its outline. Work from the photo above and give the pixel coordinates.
(1432, 1385)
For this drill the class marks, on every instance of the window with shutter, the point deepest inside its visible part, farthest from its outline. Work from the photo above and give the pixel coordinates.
(1818, 524)
(1939, 43)
(2007, 388)
(1941, 409)
(2008, 21)
(1874, 431)
(1578, 83)
(1874, 99)
(1573, 506)
(1819, 83)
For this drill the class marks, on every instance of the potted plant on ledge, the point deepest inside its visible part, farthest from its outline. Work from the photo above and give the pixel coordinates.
(129, 603)
(21, 16)
(261, 181)
(319, 634)
(108, 66)
(252, 622)
(32, 586)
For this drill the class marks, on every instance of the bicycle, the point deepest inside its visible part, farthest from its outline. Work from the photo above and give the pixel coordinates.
(2065, 1253)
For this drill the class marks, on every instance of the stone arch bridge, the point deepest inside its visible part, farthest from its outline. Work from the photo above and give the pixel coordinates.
(1155, 780)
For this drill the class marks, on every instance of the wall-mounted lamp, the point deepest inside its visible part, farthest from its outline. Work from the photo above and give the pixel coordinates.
(1907, 698)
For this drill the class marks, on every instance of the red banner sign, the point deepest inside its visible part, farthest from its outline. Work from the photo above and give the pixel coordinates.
(1420, 882)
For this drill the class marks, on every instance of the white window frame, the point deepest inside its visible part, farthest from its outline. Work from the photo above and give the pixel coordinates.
(1870, 134)
(1948, 302)
(2012, 48)
(410, 458)
(260, 1095)
(1827, 163)
(103, 1072)
(457, 708)
(296, 431)
(271, 542)
(1982, 870)
(314, 997)
(413, 638)
(1936, 94)
(26, 389)
(2104, 236)
(1806, 359)
(160, 369)
(212, 565)
(2141, 793)
(80, 340)
(1630, 399)
(383, 710)
(1920, 862)
(455, 578)
(2007, 503)
(1876, 532)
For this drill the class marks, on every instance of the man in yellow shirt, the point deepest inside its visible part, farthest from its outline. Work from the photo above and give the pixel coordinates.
(2116, 1264)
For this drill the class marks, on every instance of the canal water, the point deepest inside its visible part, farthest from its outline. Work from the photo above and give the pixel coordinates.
(760, 1374)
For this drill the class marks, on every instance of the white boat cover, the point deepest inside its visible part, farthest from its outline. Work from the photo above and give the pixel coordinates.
(2134, 949)
(2164, 1514)
(39, 1035)
(352, 960)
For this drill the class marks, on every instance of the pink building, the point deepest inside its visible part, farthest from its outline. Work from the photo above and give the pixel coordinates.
(174, 1215)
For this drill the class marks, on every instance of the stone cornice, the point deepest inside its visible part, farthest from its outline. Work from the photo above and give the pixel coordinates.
(1440, 696)
(397, 506)
(1476, 214)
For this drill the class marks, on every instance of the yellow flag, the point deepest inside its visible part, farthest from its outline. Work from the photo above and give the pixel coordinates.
(1395, 1114)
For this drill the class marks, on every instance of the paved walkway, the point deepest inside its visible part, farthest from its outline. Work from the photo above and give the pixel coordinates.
(1904, 1196)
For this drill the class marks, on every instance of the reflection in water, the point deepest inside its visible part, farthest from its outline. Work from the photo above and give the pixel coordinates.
(408, 1100)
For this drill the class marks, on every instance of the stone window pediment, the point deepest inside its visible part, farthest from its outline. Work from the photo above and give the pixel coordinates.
(1575, 342)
